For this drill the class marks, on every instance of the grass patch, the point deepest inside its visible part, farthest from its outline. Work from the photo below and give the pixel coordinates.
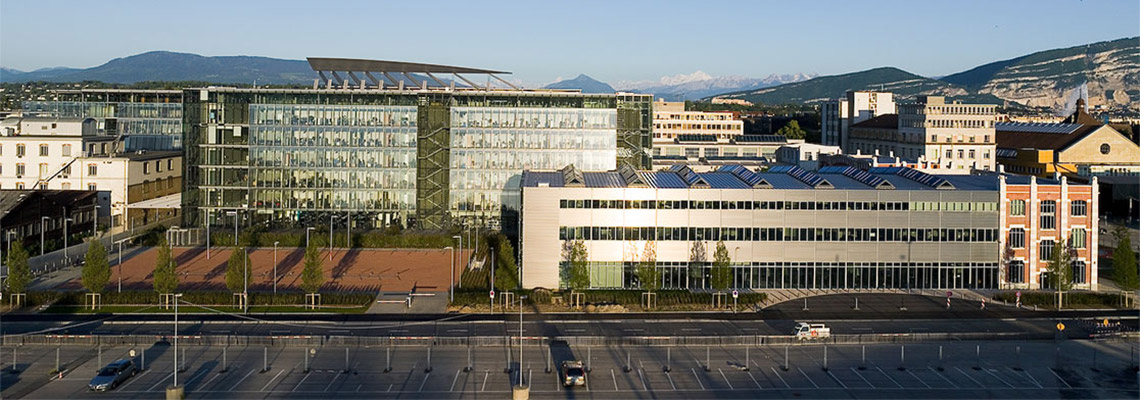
(188, 309)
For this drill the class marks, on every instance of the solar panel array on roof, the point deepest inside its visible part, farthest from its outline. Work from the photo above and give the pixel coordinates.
(631, 177)
(760, 139)
(603, 179)
(724, 180)
(1036, 127)
(929, 180)
(696, 137)
(688, 175)
(859, 175)
(1006, 153)
(664, 180)
(751, 178)
(800, 174)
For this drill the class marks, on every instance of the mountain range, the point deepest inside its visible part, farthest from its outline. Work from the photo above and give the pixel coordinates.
(1106, 73)
(700, 84)
(170, 66)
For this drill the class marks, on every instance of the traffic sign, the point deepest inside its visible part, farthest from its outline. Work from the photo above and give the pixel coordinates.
(1018, 293)
(1060, 326)
(949, 294)
(736, 294)
(132, 353)
(492, 294)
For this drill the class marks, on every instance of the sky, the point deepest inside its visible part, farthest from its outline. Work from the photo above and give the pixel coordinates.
(542, 41)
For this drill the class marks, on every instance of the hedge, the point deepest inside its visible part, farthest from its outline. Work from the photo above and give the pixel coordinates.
(202, 298)
(376, 239)
(1072, 299)
(624, 297)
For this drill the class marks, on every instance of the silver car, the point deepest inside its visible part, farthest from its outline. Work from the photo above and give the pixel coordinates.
(113, 375)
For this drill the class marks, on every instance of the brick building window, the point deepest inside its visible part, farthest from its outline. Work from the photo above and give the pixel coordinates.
(1046, 249)
(1016, 273)
(1078, 272)
(1048, 214)
(1077, 239)
(1017, 207)
(1017, 238)
(1079, 208)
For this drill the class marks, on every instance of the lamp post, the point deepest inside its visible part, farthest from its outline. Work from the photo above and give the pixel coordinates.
(307, 230)
(177, 298)
(65, 221)
(43, 225)
(95, 225)
(521, 298)
(460, 238)
(735, 259)
(275, 267)
(451, 288)
(207, 234)
(245, 267)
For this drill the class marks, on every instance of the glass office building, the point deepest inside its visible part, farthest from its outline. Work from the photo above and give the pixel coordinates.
(429, 157)
(148, 119)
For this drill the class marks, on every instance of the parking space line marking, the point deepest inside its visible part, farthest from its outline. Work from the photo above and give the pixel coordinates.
(357, 386)
(196, 376)
(453, 380)
(331, 382)
(1061, 379)
(136, 379)
(160, 381)
(754, 381)
(863, 378)
(781, 378)
(303, 378)
(980, 385)
(272, 379)
(697, 378)
(1035, 382)
(642, 376)
(614, 377)
(996, 377)
(211, 380)
(425, 381)
(485, 375)
(725, 379)
(919, 379)
(943, 377)
(671, 381)
(242, 380)
(837, 379)
(889, 377)
(808, 377)
(390, 386)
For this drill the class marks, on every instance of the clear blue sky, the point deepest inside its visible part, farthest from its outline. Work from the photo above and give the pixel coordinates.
(543, 40)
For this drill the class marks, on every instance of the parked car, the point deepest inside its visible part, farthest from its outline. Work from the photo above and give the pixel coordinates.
(573, 374)
(113, 375)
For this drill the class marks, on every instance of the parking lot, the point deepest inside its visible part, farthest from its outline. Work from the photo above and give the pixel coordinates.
(1019, 369)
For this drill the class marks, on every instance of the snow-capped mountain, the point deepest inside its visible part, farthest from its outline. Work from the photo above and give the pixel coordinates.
(700, 84)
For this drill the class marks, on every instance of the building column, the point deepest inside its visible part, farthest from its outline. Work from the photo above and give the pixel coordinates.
(1032, 209)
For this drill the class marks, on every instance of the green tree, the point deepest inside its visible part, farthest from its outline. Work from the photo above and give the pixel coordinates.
(792, 130)
(647, 272)
(238, 262)
(506, 276)
(578, 259)
(313, 274)
(1125, 272)
(165, 269)
(721, 277)
(698, 256)
(96, 270)
(19, 274)
(1060, 268)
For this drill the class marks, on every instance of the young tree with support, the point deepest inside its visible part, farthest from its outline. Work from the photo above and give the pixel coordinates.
(1060, 270)
(165, 273)
(312, 275)
(578, 279)
(96, 272)
(698, 256)
(1124, 268)
(19, 274)
(648, 275)
(235, 280)
(506, 272)
(721, 278)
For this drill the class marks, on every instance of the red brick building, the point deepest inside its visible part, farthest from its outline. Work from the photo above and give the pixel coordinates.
(1036, 214)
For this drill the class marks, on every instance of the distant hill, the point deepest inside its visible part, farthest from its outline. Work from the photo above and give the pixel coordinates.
(169, 66)
(584, 83)
(902, 83)
(1108, 73)
(699, 84)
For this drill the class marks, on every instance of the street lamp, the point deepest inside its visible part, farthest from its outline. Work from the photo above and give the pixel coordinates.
(65, 221)
(521, 298)
(307, 230)
(207, 234)
(460, 238)
(245, 266)
(451, 288)
(43, 225)
(177, 298)
(275, 267)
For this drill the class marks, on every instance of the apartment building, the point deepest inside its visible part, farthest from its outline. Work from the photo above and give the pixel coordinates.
(955, 135)
(671, 121)
(857, 106)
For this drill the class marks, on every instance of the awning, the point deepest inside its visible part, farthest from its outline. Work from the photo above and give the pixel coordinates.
(170, 201)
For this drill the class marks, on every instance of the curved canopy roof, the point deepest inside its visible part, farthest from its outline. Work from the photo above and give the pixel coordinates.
(352, 64)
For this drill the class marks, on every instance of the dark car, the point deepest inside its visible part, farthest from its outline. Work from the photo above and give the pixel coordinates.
(113, 375)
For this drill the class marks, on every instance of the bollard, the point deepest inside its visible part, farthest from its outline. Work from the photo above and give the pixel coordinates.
(100, 351)
(142, 364)
(388, 356)
(856, 304)
(57, 360)
(825, 357)
(428, 369)
(467, 368)
(265, 359)
(978, 357)
(589, 358)
(863, 365)
(939, 357)
(805, 304)
(785, 358)
(902, 358)
(628, 364)
(306, 370)
(1018, 350)
(668, 359)
(14, 370)
(747, 360)
(547, 357)
(346, 366)
(224, 359)
(708, 358)
(182, 361)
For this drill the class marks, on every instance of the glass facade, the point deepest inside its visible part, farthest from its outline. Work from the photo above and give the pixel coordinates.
(490, 146)
(429, 159)
(115, 118)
